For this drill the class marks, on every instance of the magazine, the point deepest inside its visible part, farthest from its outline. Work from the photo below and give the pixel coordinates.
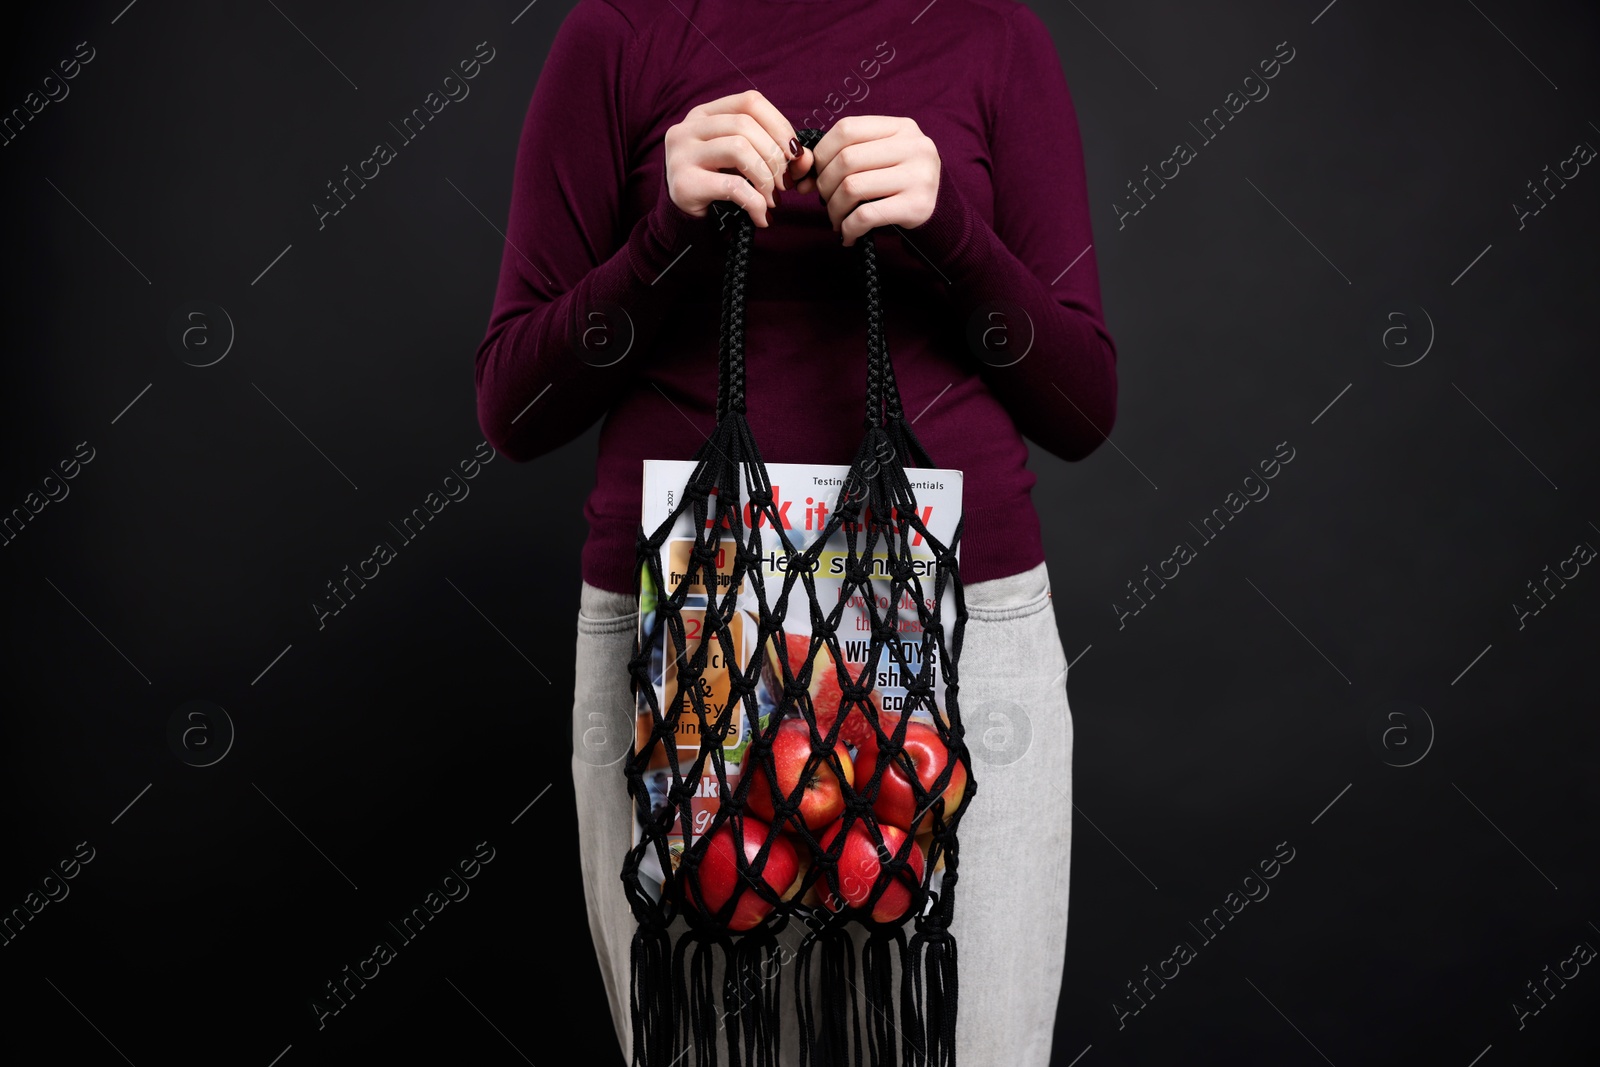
(804, 496)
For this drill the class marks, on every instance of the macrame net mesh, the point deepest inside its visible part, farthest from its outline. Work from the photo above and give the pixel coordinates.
(865, 872)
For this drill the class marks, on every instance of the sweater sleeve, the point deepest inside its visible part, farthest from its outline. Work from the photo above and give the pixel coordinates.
(574, 286)
(1038, 254)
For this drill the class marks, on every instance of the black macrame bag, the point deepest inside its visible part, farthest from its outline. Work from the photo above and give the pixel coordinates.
(908, 984)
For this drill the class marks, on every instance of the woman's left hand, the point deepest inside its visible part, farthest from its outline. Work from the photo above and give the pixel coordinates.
(875, 170)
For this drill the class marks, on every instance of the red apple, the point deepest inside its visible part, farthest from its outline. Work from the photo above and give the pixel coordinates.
(828, 694)
(860, 867)
(823, 799)
(825, 692)
(719, 876)
(897, 801)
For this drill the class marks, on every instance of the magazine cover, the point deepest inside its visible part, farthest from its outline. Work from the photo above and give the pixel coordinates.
(804, 496)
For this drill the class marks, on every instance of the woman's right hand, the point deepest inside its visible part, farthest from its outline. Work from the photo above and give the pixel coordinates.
(738, 148)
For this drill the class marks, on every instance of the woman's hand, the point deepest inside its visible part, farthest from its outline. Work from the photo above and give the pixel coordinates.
(738, 148)
(875, 170)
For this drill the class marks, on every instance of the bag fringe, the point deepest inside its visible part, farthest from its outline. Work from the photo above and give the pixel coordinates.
(877, 986)
(650, 989)
(677, 1005)
(928, 997)
(837, 993)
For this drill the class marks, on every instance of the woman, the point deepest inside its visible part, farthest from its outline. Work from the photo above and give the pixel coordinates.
(950, 130)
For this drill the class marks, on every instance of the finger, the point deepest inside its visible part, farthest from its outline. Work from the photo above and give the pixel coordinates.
(736, 153)
(753, 103)
(742, 125)
(863, 185)
(723, 105)
(771, 119)
(852, 130)
(871, 214)
(798, 168)
(747, 196)
(705, 186)
(857, 158)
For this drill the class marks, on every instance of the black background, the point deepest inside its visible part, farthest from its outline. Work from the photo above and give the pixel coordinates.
(423, 719)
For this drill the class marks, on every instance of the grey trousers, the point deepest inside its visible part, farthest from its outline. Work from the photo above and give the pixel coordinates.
(1011, 907)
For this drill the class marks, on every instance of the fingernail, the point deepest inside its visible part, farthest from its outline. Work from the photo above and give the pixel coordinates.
(794, 148)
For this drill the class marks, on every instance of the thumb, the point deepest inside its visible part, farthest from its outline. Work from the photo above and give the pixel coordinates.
(800, 178)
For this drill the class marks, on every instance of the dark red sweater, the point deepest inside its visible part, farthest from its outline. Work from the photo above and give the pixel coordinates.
(592, 229)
